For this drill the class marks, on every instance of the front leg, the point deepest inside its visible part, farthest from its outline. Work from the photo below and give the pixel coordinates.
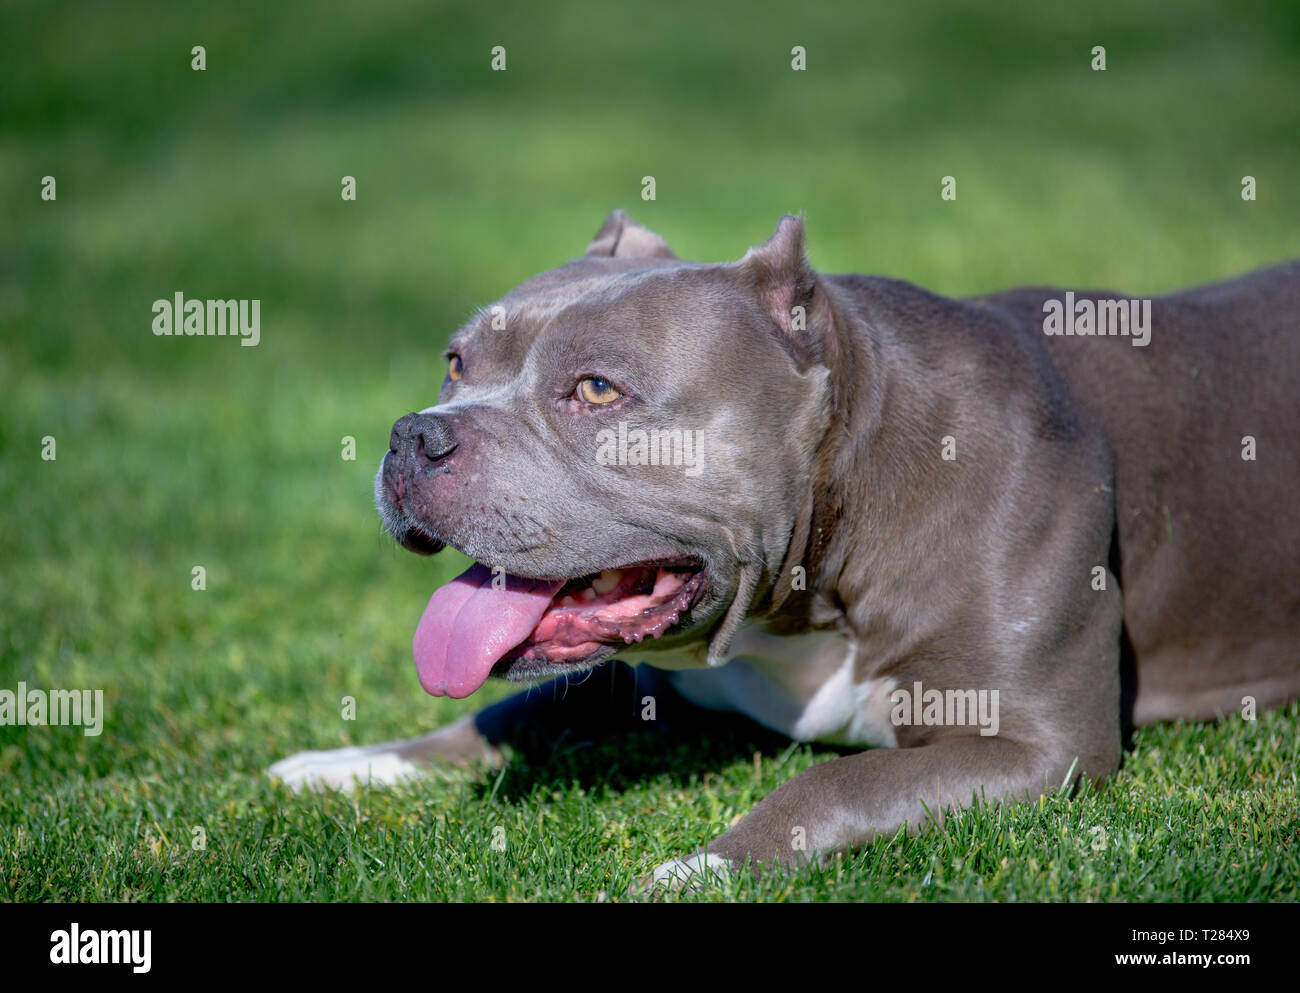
(849, 801)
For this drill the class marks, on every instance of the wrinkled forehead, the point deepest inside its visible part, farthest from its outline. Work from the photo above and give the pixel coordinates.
(609, 294)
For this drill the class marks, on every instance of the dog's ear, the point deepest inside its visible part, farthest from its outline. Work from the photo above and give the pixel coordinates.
(779, 273)
(621, 237)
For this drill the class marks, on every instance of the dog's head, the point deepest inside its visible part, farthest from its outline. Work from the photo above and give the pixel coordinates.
(622, 444)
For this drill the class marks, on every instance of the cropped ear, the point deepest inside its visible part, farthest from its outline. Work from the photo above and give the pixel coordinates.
(779, 273)
(623, 238)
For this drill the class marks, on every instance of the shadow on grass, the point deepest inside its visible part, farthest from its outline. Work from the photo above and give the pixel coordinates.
(594, 736)
(628, 759)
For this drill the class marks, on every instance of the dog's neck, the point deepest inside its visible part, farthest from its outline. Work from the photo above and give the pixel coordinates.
(861, 385)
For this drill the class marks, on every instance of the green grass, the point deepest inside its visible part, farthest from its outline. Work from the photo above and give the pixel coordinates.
(176, 453)
(1198, 813)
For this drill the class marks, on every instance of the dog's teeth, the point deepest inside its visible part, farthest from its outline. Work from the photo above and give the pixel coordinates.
(568, 601)
(588, 594)
(606, 581)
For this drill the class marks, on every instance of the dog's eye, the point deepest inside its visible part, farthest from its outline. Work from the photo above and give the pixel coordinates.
(455, 368)
(595, 390)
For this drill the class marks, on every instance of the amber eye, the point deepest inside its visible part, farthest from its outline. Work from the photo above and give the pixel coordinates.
(455, 368)
(595, 390)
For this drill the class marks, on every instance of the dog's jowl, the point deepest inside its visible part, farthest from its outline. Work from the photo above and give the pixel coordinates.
(854, 512)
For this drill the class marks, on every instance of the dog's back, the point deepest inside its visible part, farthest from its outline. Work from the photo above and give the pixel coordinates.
(1202, 421)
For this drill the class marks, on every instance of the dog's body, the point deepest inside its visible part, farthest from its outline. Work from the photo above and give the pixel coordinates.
(901, 493)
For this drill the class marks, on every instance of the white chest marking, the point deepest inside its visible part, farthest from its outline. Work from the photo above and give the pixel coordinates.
(802, 686)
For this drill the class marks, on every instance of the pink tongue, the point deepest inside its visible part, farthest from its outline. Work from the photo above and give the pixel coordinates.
(468, 626)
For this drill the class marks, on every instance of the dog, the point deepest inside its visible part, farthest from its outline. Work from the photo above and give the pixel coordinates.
(978, 539)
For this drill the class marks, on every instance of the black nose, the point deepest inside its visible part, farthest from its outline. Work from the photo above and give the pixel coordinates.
(421, 436)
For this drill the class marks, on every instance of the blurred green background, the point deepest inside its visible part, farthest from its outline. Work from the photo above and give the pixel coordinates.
(225, 184)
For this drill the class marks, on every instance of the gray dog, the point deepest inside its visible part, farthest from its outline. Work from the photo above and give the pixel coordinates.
(980, 535)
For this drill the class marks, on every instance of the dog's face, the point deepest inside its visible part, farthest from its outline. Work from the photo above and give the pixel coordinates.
(621, 444)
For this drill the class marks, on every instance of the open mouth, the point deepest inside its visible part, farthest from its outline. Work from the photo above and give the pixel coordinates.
(481, 621)
(417, 540)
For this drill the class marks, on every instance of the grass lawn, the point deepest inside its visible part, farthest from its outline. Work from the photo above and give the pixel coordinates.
(177, 453)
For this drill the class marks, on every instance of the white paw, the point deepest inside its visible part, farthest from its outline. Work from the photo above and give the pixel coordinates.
(692, 873)
(343, 768)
